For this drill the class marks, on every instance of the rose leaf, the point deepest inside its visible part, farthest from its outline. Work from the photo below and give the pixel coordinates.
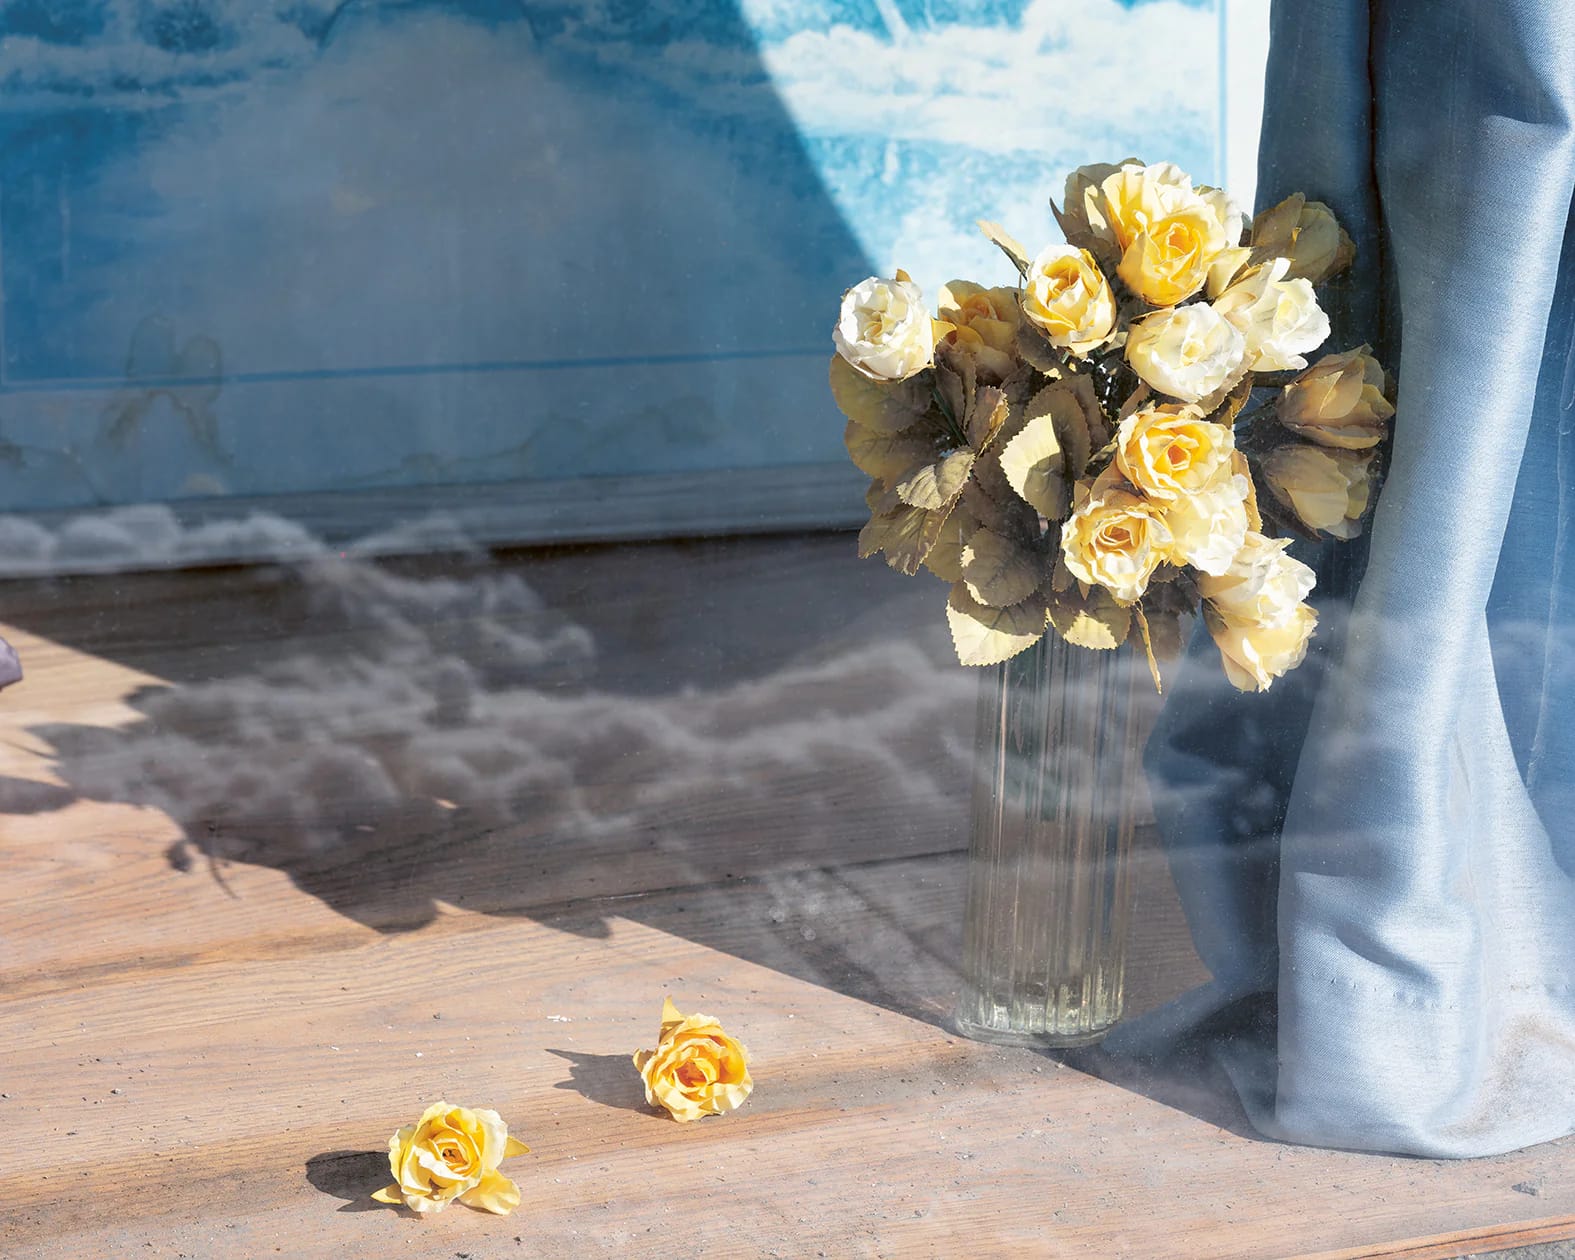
(881, 406)
(997, 571)
(1007, 244)
(906, 536)
(1035, 465)
(885, 456)
(945, 557)
(988, 636)
(1091, 618)
(935, 485)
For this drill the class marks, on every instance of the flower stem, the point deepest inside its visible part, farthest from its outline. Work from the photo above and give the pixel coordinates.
(951, 420)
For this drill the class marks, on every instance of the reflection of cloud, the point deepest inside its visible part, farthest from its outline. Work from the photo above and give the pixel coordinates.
(391, 740)
(920, 137)
(923, 119)
(140, 54)
(1059, 73)
(145, 536)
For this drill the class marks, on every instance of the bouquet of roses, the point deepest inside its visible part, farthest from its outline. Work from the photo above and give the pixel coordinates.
(1108, 446)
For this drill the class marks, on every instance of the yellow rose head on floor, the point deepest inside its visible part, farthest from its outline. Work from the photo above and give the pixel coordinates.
(696, 1069)
(452, 1154)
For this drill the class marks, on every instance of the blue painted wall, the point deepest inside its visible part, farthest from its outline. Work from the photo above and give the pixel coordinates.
(254, 248)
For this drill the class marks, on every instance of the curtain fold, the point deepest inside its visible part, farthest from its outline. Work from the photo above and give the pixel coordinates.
(1378, 856)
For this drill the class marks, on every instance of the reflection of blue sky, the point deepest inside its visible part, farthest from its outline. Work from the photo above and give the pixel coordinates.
(398, 226)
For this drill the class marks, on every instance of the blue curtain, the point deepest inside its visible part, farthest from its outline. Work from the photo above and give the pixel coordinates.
(1377, 857)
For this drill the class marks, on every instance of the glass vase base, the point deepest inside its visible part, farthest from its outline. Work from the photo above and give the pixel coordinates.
(1005, 1035)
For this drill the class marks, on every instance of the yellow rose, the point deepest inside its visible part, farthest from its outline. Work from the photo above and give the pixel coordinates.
(1170, 261)
(1085, 220)
(452, 1153)
(1279, 318)
(1135, 197)
(1339, 401)
(1326, 489)
(982, 322)
(1187, 352)
(1068, 297)
(696, 1069)
(1255, 655)
(1170, 235)
(1115, 538)
(1307, 235)
(1169, 450)
(883, 330)
(1208, 526)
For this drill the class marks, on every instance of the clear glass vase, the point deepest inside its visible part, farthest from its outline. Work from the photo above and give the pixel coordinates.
(1055, 797)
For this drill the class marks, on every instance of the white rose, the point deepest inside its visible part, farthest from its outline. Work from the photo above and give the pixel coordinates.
(884, 330)
(1231, 259)
(1187, 352)
(1255, 614)
(1279, 318)
(1209, 526)
(1263, 586)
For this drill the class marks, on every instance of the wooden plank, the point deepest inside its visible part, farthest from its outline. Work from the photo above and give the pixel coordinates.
(764, 818)
(870, 1134)
(1467, 1242)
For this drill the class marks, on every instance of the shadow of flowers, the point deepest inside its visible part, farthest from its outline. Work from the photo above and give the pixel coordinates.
(352, 1176)
(608, 1079)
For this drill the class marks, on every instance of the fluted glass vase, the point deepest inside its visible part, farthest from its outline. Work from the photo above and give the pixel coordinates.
(1055, 798)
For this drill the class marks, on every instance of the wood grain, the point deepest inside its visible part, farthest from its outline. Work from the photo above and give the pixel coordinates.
(205, 1039)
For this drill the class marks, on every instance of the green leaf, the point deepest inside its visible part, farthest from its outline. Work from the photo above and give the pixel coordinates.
(1234, 401)
(998, 571)
(1135, 399)
(1055, 402)
(988, 636)
(1078, 234)
(1091, 620)
(936, 485)
(906, 536)
(883, 406)
(1079, 411)
(1035, 466)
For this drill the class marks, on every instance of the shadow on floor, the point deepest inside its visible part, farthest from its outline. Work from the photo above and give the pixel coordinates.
(759, 745)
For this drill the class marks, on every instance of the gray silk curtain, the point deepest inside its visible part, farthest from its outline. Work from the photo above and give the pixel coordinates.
(1378, 857)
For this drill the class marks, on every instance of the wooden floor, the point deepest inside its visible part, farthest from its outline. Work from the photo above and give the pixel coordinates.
(288, 855)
